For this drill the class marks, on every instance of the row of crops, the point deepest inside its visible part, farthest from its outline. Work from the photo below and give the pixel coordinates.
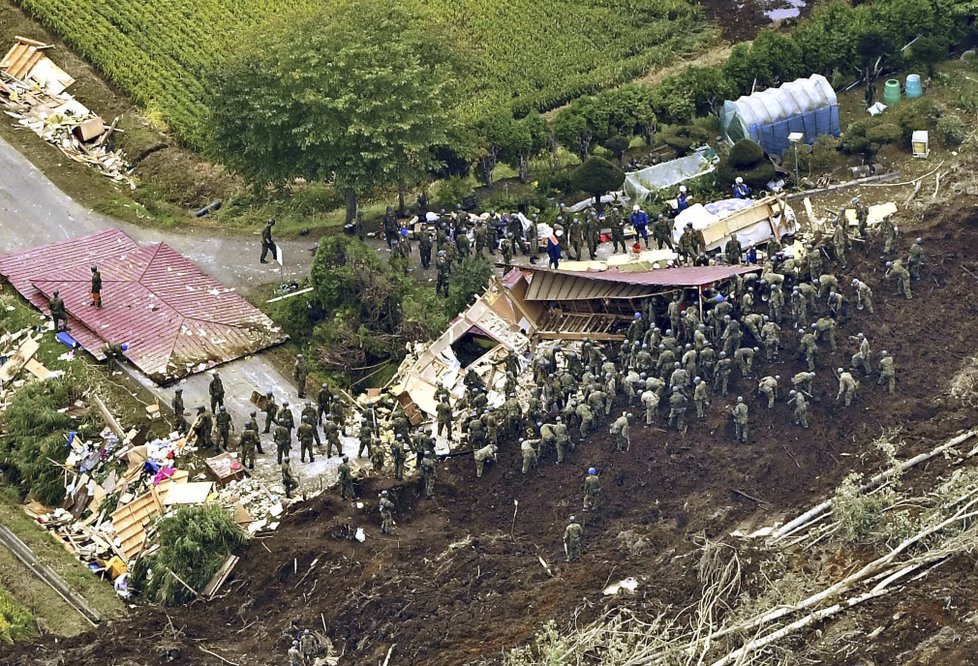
(525, 54)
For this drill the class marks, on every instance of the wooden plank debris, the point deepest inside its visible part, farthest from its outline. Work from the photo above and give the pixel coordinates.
(16, 363)
(40, 371)
(130, 522)
(108, 418)
(220, 576)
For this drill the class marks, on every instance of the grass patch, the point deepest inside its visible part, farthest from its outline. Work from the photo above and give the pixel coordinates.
(15, 621)
(33, 594)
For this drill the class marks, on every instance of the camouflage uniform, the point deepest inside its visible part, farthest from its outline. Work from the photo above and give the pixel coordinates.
(572, 540)
(847, 388)
(740, 419)
(592, 488)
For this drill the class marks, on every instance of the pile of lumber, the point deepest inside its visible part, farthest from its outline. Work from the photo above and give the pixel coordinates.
(32, 90)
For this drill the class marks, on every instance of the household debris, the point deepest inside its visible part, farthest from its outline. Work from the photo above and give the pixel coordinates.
(33, 91)
(117, 487)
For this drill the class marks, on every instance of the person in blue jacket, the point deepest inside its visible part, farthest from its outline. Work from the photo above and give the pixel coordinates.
(682, 201)
(640, 220)
(553, 248)
(740, 189)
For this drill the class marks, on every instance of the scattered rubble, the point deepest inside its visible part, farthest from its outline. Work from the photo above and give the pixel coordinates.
(118, 484)
(33, 91)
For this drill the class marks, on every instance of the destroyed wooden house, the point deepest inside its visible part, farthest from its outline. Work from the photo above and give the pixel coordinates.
(531, 304)
(500, 322)
(173, 319)
(598, 305)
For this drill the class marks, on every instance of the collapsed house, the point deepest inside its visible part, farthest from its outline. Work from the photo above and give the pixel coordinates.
(498, 323)
(531, 305)
(174, 319)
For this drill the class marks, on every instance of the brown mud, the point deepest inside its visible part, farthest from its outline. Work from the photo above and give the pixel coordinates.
(460, 580)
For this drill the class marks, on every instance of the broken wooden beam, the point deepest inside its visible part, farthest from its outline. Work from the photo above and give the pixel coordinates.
(108, 418)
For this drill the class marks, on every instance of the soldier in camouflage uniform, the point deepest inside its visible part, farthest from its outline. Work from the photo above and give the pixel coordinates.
(248, 443)
(346, 479)
(701, 397)
(332, 432)
(768, 387)
(677, 409)
(304, 435)
(847, 387)
(887, 372)
(740, 419)
(801, 407)
(386, 508)
(592, 488)
(283, 442)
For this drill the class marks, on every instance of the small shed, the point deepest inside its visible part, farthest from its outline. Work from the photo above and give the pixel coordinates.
(807, 105)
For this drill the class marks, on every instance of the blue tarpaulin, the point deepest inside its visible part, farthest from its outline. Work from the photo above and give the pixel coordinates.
(807, 105)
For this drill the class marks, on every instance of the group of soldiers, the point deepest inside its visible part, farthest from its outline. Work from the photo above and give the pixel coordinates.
(678, 354)
(213, 428)
(451, 237)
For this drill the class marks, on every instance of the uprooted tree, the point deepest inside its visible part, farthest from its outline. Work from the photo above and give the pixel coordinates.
(365, 310)
(193, 543)
(355, 95)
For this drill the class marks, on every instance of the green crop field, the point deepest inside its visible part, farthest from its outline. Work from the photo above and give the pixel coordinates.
(520, 53)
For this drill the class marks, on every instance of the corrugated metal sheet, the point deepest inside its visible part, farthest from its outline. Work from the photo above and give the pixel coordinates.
(551, 285)
(564, 286)
(176, 319)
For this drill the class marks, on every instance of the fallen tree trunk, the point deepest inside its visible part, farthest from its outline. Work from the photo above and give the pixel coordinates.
(880, 478)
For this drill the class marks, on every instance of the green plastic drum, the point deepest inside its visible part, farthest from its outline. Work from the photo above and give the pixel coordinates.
(891, 92)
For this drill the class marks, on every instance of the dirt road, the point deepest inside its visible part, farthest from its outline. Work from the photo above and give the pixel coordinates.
(33, 211)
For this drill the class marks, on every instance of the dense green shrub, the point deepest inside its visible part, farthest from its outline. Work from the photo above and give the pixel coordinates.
(884, 133)
(747, 160)
(952, 130)
(684, 138)
(745, 154)
(193, 543)
(35, 433)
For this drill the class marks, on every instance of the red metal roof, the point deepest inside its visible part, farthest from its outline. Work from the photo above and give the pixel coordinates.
(175, 319)
(686, 276)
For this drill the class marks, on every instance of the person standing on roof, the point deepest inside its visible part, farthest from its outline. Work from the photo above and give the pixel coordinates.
(96, 287)
(640, 220)
(58, 312)
(682, 200)
(740, 189)
(553, 248)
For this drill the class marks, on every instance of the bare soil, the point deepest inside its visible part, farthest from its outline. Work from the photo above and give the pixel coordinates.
(461, 580)
(742, 20)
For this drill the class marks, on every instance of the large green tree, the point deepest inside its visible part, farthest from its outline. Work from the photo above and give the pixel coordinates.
(356, 95)
(597, 176)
